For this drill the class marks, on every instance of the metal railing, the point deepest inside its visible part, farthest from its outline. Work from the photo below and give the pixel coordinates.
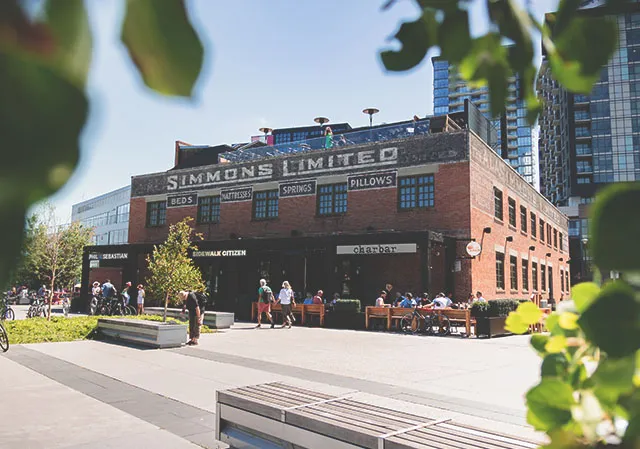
(339, 140)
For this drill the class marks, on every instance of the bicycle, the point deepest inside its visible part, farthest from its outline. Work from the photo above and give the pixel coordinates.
(37, 308)
(4, 338)
(431, 323)
(6, 312)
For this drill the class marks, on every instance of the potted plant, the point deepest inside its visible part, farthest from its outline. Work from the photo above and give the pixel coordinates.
(491, 316)
(345, 314)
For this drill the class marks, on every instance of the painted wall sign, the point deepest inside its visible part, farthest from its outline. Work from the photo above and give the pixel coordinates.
(298, 188)
(417, 151)
(376, 180)
(390, 248)
(221, 253)
(473, 248)
(182, 200)
(235, 195)
(108, 256)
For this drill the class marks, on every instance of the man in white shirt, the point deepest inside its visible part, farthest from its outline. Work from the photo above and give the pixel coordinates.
(441, 301)
(480, 297)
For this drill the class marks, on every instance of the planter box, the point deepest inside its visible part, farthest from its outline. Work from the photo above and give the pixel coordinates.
(345, 320)
(215, 320)
(491, 326)
(148, 333)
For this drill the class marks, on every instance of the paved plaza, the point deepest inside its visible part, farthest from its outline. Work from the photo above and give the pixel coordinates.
(98, 394)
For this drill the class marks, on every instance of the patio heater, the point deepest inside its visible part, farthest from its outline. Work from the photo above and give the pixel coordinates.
(370, 112)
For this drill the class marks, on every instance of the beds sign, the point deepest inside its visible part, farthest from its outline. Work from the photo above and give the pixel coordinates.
(182, 200)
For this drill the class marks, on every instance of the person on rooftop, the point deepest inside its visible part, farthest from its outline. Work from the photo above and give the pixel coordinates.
(328, 138)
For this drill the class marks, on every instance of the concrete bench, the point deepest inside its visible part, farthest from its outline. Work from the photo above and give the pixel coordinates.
(278, 415)
(148, 333)
(215, 320)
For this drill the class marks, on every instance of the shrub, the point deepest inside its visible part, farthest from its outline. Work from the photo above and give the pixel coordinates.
(502, 307)
(480, 309)
(347, 305)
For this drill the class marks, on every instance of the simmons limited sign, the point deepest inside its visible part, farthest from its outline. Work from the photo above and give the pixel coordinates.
(291, 169)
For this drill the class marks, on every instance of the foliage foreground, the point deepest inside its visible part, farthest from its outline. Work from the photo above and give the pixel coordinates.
(59, 329)
(589, 391)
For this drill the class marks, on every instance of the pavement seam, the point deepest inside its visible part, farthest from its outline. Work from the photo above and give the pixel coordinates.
(39, 362)
(447, 403)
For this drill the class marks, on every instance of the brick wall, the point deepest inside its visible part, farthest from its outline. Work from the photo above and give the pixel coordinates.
(103, 273)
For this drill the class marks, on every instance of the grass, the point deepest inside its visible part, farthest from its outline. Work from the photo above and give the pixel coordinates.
(39, 330)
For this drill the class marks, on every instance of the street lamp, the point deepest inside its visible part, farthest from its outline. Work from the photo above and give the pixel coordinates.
(370, 112)
(266, 131)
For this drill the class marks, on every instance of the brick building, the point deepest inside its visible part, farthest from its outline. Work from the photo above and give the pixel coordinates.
(352, 218)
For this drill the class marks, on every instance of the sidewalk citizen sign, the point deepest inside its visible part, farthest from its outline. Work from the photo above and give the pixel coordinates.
(221, 253)
(389, 248)
(473, 248)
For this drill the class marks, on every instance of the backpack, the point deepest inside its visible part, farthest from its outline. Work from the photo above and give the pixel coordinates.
(201, 299)
(267, 294)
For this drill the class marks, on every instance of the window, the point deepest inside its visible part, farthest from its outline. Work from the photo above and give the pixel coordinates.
(416, 192)
(534, 225)
(525, 275)
(534, 276)
(561, 280)
(156, 213)
(332, 199)
(555, 238)
(123, 213)
(566, 279)
(118, 237)
(548, 234)
(523, 219)
(543, 278)
(497, 201)
(500, 271)
(561, 238)
(209, 209)
(513, 272)
(265, 205)
(541, 230)
(512, 212)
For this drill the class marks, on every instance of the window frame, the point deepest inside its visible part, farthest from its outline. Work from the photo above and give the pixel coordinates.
(543, 278)
(333, 194)
(511, 211)
(555, 238)
(270, 197)
(428, 182)
(500, 281)
(533, 218)
(159, 209)
(534, 276)
(498, 197)
(524, 268)
(524, 219)
(214, 204)
(541, 229)
(513, 270)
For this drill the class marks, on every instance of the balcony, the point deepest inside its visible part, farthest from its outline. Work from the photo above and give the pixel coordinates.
(376, 134)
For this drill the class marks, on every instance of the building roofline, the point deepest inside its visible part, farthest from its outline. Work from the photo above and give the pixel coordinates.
(99, 197)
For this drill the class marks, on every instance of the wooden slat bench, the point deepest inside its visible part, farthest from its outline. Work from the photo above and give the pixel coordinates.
(396, 314)
(282, 415)
(305, 311)
(372, 312)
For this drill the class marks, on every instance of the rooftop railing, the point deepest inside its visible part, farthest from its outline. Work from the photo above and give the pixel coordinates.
(340, 140)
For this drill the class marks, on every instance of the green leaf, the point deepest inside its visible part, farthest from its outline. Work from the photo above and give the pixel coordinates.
(612, 321)
(584, 294)
(41, 117)
(616, 375)
(549, 404)
(163, 45)
(556, 343)
(554, 365)
(568, 321)
(615, 220)
(69, 23)
(566, 12)
(514, 324)
(515, 24)
(581, 49)
(454, 36)
(539, 341)
(529, 312)
(551, 323)
(487, 63)
(417, 38)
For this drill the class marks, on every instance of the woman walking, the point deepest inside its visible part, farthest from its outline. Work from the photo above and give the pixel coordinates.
(285, 298)
(140, 299)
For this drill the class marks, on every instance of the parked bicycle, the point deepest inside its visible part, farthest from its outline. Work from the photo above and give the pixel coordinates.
(6, 312)
(38, 308)
(4, 338)
(432, 322)
(115, 305)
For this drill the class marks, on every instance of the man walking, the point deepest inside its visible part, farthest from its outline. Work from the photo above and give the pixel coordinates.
(265, 298)
(191, 302)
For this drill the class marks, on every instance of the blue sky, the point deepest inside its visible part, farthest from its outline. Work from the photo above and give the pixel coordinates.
(268, 63)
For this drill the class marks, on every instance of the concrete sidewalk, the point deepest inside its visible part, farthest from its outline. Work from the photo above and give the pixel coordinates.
(478, 382)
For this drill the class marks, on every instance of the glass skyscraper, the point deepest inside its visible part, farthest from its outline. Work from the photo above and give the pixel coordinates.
(515, 143)
(588, 141)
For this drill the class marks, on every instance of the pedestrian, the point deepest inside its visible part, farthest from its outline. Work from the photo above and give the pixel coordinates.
(195, 303)
(285, 297)
(328, 138)
(108, 290)
(140, 299)
(265, 298)
(96, 290)
(125, 294)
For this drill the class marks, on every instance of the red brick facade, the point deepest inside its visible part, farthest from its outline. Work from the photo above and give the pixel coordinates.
(463, 207)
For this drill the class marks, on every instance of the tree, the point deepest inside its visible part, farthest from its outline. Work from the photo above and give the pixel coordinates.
(172, 270)
(24, 273)
(55, 252)
(45, 56)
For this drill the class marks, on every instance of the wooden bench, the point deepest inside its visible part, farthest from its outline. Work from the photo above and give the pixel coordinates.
(372, 312)
(396, 314)
(282, 415)
(314, 310)
(304, 310)
(460, 316)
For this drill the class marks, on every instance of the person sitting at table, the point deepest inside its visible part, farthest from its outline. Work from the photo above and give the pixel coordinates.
(441, 301)
(309, 299)
(479, 297)
(424, 301)
(381, 298)
(399, 298)
(408, 301)
(318, 298)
